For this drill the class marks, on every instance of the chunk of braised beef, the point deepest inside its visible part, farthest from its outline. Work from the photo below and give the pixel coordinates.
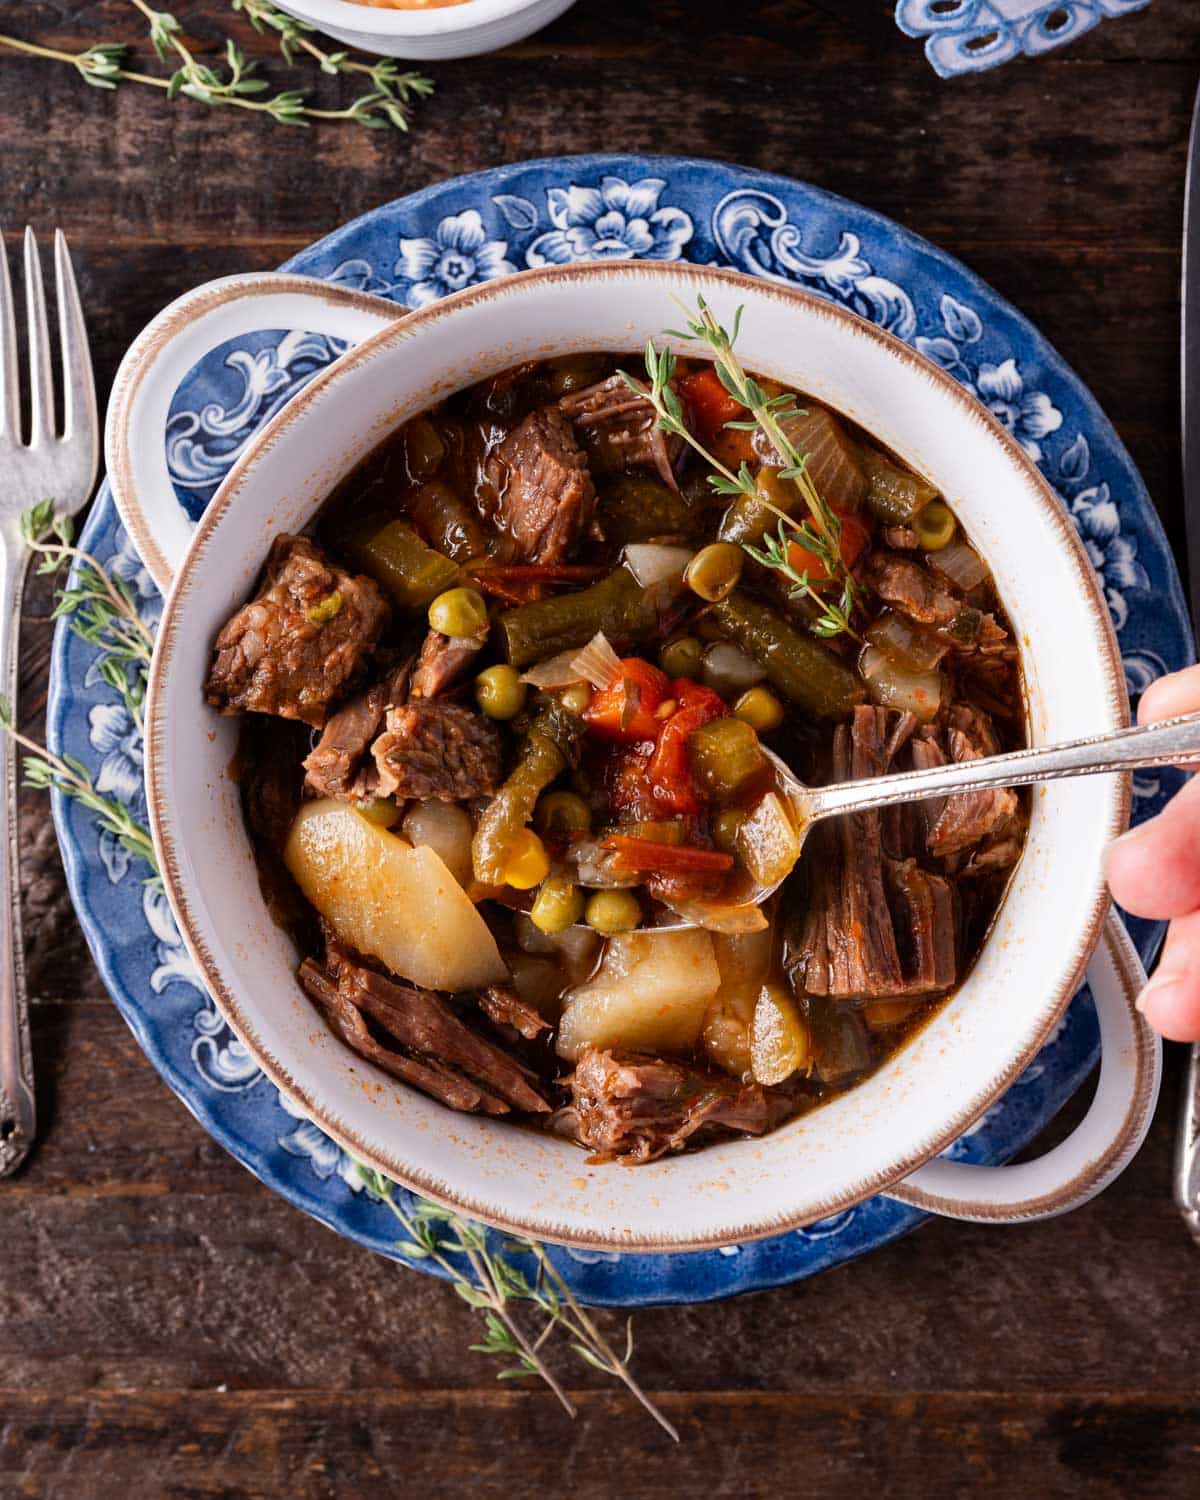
(301, 642)
(340, 764)
(545, 491)
(633, 1108)
(620, 430)
(923, 912)
(347, 1021)
(969, 818)
(423, 1022)
(438, 750)
(911, 589)
(443, 661)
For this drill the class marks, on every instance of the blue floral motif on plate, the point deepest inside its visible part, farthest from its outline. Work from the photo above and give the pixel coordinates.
(468, 230)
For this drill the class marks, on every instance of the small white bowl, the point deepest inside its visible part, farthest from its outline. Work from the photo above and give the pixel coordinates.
(937, 1086)
(444, 31)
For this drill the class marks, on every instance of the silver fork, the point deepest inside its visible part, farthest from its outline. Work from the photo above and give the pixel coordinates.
(64, 468)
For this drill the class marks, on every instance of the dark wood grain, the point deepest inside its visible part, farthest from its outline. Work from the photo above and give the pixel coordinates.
(168, 1328)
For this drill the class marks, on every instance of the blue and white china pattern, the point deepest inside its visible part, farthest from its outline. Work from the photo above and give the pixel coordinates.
(485, 225)
(967, 36)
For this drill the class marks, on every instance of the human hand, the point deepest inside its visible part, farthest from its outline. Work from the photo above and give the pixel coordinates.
(1154, 871)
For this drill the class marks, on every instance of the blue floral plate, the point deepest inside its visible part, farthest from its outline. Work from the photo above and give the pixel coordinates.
(490, 224)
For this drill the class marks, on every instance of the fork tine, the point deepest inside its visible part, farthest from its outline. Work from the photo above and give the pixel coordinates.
(41, 378)
(79, 393)
(10, 395)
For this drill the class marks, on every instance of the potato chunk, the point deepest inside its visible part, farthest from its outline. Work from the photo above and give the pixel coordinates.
(651, 992)
(389, 900)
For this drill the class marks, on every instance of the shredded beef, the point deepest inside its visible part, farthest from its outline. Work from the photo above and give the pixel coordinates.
(430, 1076)
(875, 926)
(620, 430)
(424, 1023)
(443, 660)
(340, 764)
(545, 491)
(908, 587)
(437, 750)
(504, 1007)
(272, 658)
(633, 1108)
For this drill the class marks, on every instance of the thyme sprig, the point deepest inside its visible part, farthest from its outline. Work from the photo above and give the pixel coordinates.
(495, 1282)
(100, 609)
(820, 533)
(297, 36)
(103, 65)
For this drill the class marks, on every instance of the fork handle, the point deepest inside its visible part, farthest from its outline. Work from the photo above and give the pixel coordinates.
(18, 1110)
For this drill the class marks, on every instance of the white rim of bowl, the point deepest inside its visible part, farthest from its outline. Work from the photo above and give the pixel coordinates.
(441, 20)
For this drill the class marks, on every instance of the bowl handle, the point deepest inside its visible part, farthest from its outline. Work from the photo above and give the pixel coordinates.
(1104, 1142)
(170, 347)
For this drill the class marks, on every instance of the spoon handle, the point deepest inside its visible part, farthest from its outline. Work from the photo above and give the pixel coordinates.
(1170, 742)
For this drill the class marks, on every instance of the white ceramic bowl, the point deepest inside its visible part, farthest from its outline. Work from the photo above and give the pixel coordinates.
(927, 1095)
(426, 35)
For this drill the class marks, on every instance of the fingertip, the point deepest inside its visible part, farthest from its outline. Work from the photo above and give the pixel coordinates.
(1171, 1004)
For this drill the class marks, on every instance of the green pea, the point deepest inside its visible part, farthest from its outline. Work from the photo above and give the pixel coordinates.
(562, 814)
(559, 904)
(935, 526)
(681, 657)
(610, 912)
(380, 810)
(760, 708)
(459, 613)
(576, 698)
(724, 828)
(714, 571)
(500, 692)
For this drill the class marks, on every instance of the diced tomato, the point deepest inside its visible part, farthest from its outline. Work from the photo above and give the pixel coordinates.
(649, 857)
(855, 537)
(669, 773)
(627, 711)
(709, 404)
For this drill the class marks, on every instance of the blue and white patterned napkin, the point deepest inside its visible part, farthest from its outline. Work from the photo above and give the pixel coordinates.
(966, 36)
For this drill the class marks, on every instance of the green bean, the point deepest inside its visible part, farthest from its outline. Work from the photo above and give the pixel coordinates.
(562, 814)
(748, 519)
(549, 746)
(638, 507)
(801, 668)
(617, 605)
(450, 525)
(395, 556)
(893, 494)
(725, 754)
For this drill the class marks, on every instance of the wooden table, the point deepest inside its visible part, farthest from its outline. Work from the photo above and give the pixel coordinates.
(168, 1328)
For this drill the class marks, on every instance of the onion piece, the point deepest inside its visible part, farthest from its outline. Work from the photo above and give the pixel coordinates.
(597, 867)
(555, 672)
(652, 563)
(598, 663)
(728, 670)
(960, 563)
(903, 640)
(767, 842)
(898, 687)
(716, 917)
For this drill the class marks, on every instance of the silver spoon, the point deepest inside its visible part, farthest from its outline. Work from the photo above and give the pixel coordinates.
(1169, 742)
